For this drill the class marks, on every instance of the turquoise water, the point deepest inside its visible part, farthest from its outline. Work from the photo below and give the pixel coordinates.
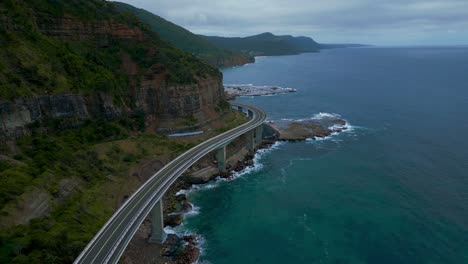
(394, 189)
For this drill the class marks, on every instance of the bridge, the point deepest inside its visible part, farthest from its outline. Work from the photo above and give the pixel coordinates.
(108, 245)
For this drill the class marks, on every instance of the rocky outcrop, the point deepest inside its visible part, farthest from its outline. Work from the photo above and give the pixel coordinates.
(201, 176)
(233, 91)
(69, 28)
(308, 129)
(15, 116)
(190, 253)
(177, 101)
(150, 91)
(173, 220)
(156, 99)
(153, 94)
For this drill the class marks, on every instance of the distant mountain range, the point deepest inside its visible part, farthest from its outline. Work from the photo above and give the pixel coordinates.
(266, 44)
(186, 40)
(227, 51)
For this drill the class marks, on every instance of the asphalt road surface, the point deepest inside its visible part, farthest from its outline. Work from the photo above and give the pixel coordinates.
(110, 242)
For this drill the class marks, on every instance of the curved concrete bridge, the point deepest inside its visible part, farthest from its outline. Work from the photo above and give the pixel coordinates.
(110, 242)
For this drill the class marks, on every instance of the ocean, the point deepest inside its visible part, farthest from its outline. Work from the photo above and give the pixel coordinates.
(391, 189)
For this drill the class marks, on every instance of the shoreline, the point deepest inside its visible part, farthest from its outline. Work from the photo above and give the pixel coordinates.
(175, 214)
(233, 91)
(193, 250)
(184, 247)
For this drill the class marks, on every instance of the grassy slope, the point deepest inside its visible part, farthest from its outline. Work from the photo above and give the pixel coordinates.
(32, 63)
(181, 37)
(98, 157)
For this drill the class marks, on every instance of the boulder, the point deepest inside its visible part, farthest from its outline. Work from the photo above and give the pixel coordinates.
(173, 220)
(201, 176)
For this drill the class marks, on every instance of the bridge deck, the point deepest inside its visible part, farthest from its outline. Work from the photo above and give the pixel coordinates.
(109, 243)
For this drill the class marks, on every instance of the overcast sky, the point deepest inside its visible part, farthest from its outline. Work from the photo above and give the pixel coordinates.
(380, 22)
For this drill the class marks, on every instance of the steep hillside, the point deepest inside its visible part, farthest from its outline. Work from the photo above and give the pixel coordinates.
(186, 40)
(266, 44)
(83, 88)
(86, 59)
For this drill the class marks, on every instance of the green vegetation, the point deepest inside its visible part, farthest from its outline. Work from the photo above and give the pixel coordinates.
(100, 157)
(188, 122)
(33, 61)
(234, 120)
(223, 106)
(266, 44)
(79, 171)
(89, 155)
(184, 39)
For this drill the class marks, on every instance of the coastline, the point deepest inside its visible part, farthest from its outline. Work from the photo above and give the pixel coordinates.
(194, 242)
(232, 91)
(181, 245)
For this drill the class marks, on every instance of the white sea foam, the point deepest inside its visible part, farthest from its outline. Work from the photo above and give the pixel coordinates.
(194, 211)
(182, 230)
(347, 128)
(169, 230)
(197, 187)
(325, 115)
(289, 119)
(318, 116)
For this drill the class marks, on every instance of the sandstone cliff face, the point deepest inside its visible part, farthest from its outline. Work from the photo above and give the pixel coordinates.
(158, 100)
(163, 103)
(149, 88)
(71, 29)
(15, 116)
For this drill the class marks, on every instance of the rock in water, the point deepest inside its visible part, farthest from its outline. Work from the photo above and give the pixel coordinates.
(173, 220)
(309, 128)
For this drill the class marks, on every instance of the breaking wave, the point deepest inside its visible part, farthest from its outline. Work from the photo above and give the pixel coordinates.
(325, 115)
(182, 230)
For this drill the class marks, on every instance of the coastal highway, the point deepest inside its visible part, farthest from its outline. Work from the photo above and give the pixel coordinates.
(110, 242)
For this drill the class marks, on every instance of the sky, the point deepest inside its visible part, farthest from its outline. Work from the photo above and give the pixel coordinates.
(378, 22)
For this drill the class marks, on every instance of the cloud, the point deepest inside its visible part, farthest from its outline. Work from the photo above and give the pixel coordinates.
(338, 21)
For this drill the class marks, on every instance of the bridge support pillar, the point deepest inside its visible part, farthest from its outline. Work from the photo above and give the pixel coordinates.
(258, 135)
(250, 113)
(158, 236)
(221, 158)
(240, 109)
(250, 136)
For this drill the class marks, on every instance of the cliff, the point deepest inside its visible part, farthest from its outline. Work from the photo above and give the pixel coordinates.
(84, 59)
(80, 84)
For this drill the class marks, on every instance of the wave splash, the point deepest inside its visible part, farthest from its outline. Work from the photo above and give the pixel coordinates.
(325, 119)
(336, 129)
(257, 166)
